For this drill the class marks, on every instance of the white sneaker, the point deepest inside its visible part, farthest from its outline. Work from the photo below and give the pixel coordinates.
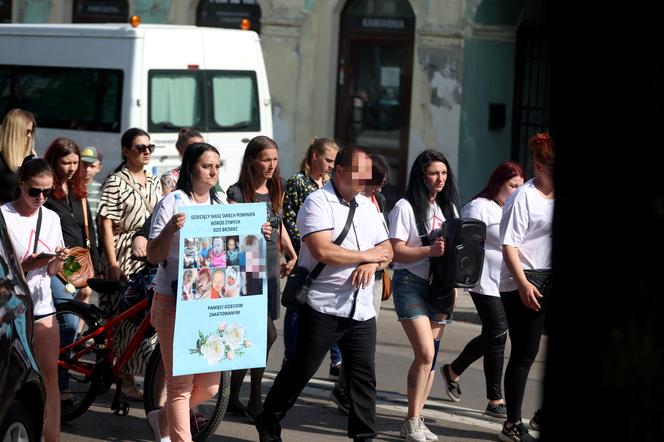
(430, 437)
(153, 421)
(411, 430)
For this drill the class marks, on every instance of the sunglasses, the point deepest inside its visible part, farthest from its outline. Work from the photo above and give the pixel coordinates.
(35, 191)
(143, 147)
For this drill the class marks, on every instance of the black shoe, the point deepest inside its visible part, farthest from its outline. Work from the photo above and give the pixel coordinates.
(265, 434)
(452, 388)
(341, 399)
(536, 422)
(498, 410)
(516, 433)
(334, 371)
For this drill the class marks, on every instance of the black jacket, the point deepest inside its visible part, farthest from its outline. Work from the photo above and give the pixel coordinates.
(70, 211)
(8, 182)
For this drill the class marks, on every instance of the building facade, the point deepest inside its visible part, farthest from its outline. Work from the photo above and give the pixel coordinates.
(467, 77)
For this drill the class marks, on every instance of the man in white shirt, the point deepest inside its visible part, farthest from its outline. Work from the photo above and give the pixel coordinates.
(339, 306)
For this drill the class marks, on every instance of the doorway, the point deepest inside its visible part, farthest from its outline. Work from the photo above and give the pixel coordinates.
(374, 84)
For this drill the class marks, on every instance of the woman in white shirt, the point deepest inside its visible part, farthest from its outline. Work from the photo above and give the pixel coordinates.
(526, 228)
(487, 206)
(431, 198)
(196, 183)
(37, 240)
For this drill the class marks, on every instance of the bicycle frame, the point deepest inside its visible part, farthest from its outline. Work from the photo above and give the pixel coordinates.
(108, 329)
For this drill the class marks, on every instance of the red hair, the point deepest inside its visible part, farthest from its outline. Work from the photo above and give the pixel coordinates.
(543, 148)
(500, 176)
(61, 147)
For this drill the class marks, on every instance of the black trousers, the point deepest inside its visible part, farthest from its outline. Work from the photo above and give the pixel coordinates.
(490, 344)
(525, 327)
(316, 333)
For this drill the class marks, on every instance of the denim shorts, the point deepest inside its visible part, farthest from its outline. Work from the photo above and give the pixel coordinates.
(411, 298)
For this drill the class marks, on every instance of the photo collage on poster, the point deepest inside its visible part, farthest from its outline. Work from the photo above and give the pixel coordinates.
(223, 267)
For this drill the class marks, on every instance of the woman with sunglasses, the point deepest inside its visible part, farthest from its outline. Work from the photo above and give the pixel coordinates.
(127, 199)
(37, 240)
(16, 143)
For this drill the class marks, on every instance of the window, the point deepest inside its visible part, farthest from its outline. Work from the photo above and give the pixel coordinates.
(64, 98)
(210, 101)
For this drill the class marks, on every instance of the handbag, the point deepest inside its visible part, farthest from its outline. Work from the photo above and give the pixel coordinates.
(540, 278)
(387, 286)
(81, 255)
(298, 281)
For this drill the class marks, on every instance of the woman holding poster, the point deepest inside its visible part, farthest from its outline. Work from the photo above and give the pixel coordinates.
(259, 181)
(201, 164)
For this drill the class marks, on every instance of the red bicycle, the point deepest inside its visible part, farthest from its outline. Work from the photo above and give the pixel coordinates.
(89, 365)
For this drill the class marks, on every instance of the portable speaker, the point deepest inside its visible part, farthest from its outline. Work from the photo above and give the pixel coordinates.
(461, 266)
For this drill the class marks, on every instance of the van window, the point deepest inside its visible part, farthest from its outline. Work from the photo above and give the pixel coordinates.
(175, 100)
(87, 99)
(206, 100)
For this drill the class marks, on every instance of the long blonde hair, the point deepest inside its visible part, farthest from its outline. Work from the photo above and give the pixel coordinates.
(317, 145)
(13, 145)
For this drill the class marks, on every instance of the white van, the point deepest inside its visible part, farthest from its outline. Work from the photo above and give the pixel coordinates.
(91, 82)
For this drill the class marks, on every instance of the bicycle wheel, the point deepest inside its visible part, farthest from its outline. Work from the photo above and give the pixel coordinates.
(205, 418)
(77, 389)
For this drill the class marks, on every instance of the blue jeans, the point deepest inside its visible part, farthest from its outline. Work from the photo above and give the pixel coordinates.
(290, 338)
(67, 324)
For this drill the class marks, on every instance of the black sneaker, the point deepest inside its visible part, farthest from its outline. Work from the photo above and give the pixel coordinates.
(334, 371)
(341, 399)
(536, 422)
(452, 388)
(516, 433)
(498, 410)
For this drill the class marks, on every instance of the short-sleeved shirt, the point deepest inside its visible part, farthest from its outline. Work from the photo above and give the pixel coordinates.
(490, 212)
(22, 231)
(527, 224)
(332, 292)
(404, 227)
(163, 212)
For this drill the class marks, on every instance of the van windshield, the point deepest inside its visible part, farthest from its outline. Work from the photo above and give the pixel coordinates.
(206, 100)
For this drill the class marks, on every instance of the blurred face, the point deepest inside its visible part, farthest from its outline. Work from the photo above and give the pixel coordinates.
(32, 190)
(187, 277)
(203, 277)
(90, 170)
(140, 152)
(218, 281)
(66, 167)
(435, 176)
(206, 170)
(231, 244)
(323, 162)
(357, 174)
(508, 188)
(231, 280)
(266, 163)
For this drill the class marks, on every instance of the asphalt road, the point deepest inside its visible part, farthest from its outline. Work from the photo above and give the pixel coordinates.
(316, 417)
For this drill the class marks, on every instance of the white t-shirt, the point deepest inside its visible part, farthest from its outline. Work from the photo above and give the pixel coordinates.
(22, 230)
(527, 223)
(401, 220)
(332, 292)
(490, 212)
(162, 214)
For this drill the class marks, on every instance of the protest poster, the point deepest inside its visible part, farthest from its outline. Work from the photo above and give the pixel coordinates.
(220, 321)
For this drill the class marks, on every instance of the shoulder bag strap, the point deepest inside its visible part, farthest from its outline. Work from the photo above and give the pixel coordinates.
(319, 267)
(136, 189)
(84, 203)
(39, 221)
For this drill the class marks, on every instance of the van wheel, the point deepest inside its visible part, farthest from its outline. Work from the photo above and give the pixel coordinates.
(17, 426)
